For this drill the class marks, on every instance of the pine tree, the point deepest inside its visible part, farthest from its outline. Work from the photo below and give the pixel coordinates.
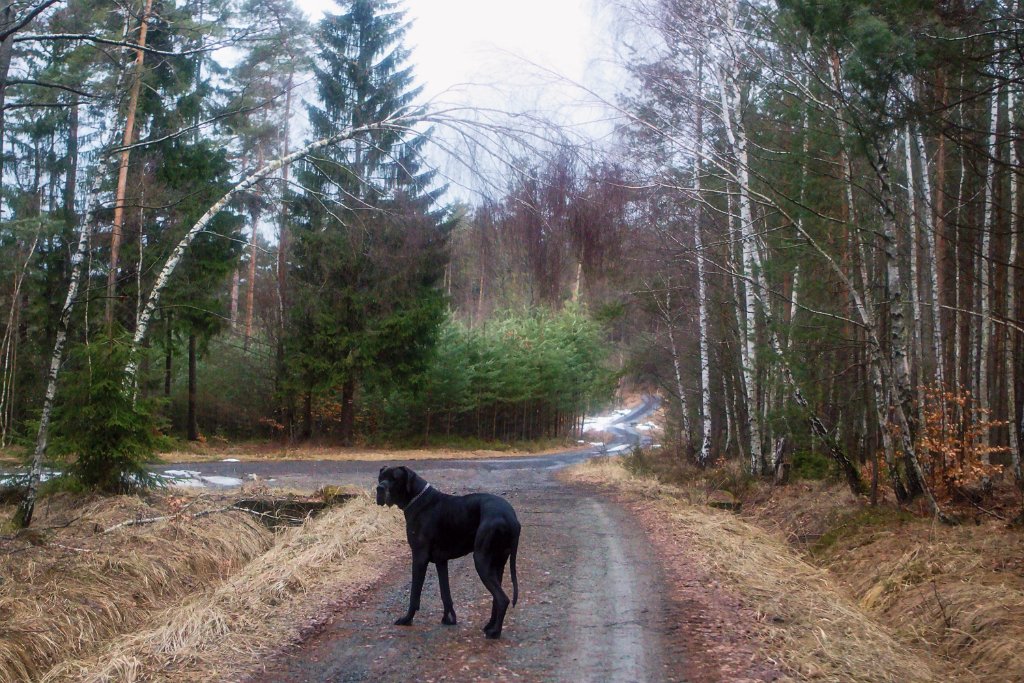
(369, 245)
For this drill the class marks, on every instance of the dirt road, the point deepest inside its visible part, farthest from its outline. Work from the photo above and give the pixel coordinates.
(592, 602)
(591, 605)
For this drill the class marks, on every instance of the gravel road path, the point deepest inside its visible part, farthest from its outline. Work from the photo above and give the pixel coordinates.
(592, 599)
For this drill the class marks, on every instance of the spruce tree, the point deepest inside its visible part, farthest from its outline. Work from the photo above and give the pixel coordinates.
(369, 243)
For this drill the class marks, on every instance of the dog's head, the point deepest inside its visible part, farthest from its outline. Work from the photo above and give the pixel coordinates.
(396, 486)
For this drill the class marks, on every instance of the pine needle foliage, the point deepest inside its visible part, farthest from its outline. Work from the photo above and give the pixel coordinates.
(106, 435)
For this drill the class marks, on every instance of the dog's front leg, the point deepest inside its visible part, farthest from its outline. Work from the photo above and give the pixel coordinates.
(419, 573)
(446, 595)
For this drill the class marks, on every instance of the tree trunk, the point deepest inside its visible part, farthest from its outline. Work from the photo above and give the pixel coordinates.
(71, 179)
(122, 171)
(307, 416)
(248, 182)
(704, 455)
(235, 277)
(282, 238)
(251, 288)
(168, 355)
(933, 255)
(348, 394)
(684, 413)
(736, 134)
(9, 348)
(1015, 280)
(7, 21)
(23, 516)
(985, 270)
(193, 424)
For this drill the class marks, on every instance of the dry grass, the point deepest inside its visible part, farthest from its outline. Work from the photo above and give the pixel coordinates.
(180, 599)
(810, 624)
(218, 632)
(266, 451)
(957, 590)
(62, 590)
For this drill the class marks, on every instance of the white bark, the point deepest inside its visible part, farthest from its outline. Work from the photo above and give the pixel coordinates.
(674, 350)
(861, 298)
(27, 505)
(985, 269)
(732, 120)
(704, 455)
(932, 257)
(917, 338)
(1015, 284)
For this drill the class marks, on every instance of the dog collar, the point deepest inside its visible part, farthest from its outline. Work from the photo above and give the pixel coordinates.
(417, 496)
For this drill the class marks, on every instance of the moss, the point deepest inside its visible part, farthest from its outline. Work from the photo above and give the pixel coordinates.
(850, 524)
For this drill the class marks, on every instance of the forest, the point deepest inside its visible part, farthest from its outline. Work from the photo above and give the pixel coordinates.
(222, 220)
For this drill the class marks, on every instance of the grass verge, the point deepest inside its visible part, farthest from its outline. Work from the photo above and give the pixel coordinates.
(957, 591)
(187, 599)
(257, 451)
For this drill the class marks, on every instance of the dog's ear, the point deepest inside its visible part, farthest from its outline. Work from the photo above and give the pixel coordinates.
(410, 479)
(382, 470)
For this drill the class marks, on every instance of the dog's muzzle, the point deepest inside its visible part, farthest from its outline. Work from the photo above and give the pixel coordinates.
(382, 495)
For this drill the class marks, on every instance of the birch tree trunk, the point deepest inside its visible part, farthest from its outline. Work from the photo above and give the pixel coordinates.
(984, 270)
(1015, 283)
(23, 516)
(917, 338)
(736, 134)
(931, 234)
(899, 357)
(684, 413)
(704, 455)
(9, 347)
(862, 300)
(396, 122)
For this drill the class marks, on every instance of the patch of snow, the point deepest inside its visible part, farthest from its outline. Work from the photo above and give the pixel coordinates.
(196, 479)
(187, 483)
(12, 477)
(181, 474)
(223, 481)
(230, 460)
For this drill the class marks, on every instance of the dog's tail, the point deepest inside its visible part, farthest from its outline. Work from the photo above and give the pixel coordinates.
(512, 571)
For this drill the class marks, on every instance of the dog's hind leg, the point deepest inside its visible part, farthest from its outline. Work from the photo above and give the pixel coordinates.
(449, 618)
(489, 566)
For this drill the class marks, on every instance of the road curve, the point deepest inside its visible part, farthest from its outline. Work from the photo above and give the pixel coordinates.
(308, 474)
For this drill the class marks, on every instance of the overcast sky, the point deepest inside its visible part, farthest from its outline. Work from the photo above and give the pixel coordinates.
(508, 55)
(489, 42)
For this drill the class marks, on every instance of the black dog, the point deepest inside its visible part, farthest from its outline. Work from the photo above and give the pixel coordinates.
(441, 527)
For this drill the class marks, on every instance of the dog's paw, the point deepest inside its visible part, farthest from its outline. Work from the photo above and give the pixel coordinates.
(449, 619)
(403, 621)
(492, 633)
